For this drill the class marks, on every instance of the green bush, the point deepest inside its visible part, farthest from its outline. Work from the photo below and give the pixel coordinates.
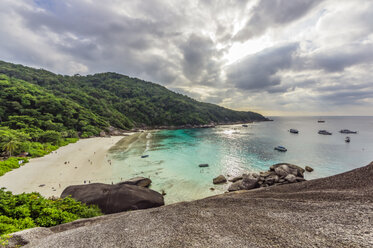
(18, 212)
(10, 164)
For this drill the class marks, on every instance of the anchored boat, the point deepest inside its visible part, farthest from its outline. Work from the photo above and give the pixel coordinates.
(281, 149)
(347, 131)
(347, 139)
(324, 132)
(293, 130)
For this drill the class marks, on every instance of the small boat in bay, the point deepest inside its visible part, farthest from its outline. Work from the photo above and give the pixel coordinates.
(321, 121)
(324, 132)
(244, 125)
(144, 156)
(347, 139)
(280, 149)
(292, 130)
(348, 131)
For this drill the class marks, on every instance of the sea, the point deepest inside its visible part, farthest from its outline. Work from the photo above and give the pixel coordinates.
(231, 150)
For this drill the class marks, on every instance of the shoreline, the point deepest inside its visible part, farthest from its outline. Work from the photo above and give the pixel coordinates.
(86, 160)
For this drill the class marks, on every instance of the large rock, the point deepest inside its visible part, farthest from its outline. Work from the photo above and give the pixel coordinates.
(219, 179)
(291, 178)
(249, 181)
(290, 168)
(139, 181)
(307, 214)
(115, 198)
(309, 169)
(235, 186)
(235, 179)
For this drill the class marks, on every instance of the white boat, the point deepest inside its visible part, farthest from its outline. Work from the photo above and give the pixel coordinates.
(281, 149)
(324, 132)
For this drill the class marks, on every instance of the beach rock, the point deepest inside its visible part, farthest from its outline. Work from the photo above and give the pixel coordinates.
(272, 179)
(235, 186)
(282, 170)
(220, 179)
(249, 182)
(235, 179)
(115, 198)
(290, 168)
(265, 173)
(300, 179)
(139, 181)
(203, 165)
(291, 178)
(309, 169)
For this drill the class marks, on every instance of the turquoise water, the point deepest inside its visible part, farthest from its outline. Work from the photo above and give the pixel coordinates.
(174, 155)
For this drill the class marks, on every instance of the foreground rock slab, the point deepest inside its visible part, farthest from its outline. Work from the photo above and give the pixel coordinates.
(327, 212)
(115, 198)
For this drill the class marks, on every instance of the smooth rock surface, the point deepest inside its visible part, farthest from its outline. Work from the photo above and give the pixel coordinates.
(219, 179)
(115, 198)
(328, 212)
(139, 181)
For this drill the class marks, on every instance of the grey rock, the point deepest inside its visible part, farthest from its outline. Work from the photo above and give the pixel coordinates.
(139, 181)
(249, 182)
(236, 186)
(219, 179)
(115, 198)
(291, 178)
(282, 170)
(309, 169)
(24, 237)
(235, 179)
(290, 168)
(300, 179)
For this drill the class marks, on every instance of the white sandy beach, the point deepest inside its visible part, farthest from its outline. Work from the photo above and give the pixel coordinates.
(73, 164)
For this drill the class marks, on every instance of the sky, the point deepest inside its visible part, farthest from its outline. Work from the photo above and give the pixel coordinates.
(276, 57)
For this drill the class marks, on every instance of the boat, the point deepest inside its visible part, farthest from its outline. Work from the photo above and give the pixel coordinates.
(347, 131)
(347, 139)
(321, 121)
(324, 132)
(280, 149)
(144, 156)
(244, 125)
(293, 130)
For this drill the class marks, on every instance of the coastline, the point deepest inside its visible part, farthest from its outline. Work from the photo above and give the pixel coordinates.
(85, 160)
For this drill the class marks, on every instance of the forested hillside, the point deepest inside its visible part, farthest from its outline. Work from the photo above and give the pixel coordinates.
(40, 110)
(126, 102)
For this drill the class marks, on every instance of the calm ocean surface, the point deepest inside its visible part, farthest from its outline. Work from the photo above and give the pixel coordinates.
(174, 155)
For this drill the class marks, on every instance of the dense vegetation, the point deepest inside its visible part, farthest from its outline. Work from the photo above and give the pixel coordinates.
(126, 102)
(18, 212)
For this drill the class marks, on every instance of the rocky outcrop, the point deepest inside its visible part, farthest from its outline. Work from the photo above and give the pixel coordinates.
(115, 198)
(139, 181)
(308, 169)
(278, 174)
(219, 179)
(327, 212)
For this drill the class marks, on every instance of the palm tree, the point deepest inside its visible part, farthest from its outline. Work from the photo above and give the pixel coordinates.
(11, 146)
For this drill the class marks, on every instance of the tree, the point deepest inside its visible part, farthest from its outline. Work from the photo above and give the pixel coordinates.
(10, 146)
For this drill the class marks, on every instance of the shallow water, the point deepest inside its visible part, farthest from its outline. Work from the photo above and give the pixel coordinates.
(174, 155)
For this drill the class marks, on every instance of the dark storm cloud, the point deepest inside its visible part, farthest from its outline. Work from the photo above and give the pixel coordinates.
(268, 14)
(258, 71)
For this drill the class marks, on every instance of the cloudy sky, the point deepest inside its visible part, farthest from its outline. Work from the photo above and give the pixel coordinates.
(278, 57)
